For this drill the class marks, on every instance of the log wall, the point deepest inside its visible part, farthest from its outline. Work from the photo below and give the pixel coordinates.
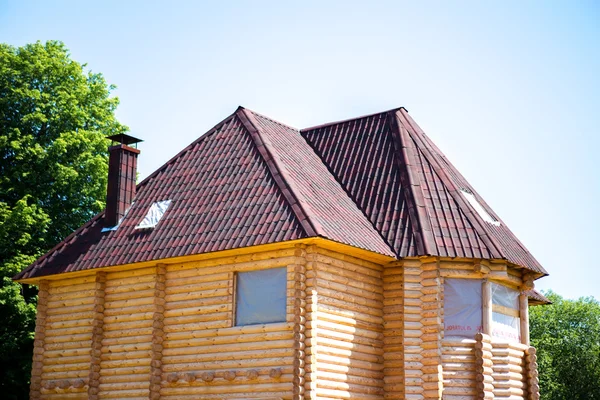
(509, 370)
(68, 338)
(393, 332)
(347, 340)
(353, 329)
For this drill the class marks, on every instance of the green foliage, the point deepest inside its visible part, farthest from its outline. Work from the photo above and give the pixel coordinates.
(54, 116)
(567, 337)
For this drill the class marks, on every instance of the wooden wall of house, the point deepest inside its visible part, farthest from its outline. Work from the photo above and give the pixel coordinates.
(68, 337)
(349, 326)
(354, 329)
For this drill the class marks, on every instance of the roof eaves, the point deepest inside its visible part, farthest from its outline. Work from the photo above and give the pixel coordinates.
(279, 173)
(33, 268)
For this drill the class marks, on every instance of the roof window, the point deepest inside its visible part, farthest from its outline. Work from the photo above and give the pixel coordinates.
(155, 213)
(479, 208)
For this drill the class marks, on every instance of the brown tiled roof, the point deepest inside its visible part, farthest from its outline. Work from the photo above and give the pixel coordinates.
(376, 183)
(410, 191)
(536, 298)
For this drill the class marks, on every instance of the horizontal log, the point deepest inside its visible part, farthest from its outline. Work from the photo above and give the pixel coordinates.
(346, 261)
(215, 349)
(283, 384)
(231, 355)
(174, 300)
(350, 272)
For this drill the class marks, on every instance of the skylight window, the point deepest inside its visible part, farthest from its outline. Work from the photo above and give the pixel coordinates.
(155, 213)
(479, 208)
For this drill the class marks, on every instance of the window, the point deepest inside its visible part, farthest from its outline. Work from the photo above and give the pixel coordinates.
(462, 307)
(505, 313)
(261, 296)
(155, 213)
(479, 208)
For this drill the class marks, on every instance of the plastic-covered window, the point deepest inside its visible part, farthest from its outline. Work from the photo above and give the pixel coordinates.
(261, 296)
(505, 313)
(155, 213)
(462, 307)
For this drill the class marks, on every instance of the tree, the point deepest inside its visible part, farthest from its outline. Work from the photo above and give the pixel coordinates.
(54, 116)
(567, 337)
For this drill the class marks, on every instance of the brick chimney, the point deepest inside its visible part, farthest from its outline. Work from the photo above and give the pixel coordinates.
(122, 171)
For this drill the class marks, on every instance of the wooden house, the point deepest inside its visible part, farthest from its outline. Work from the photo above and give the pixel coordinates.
(345, 261)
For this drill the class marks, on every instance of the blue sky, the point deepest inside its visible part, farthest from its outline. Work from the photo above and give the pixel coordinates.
(510, 91)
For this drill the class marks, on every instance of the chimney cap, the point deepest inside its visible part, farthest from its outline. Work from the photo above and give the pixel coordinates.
(124, 139)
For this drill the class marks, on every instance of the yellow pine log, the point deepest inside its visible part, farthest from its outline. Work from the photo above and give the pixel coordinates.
(67, 368)
(342, 288)
(340, 260)
(65, 324)
(86, 307)
(127, 335)
(108, 365)
(352, 338)
(283, 384)
(172, 299)
(85, 344)
(350, 330)
(352, 299)
(214, 308)
(351, 306)
(134, 287)
(147, 293)
(134, 324)
(195, 318)
(83, 337)
(125, 371)
(374, 288)
(108, 382)
(113, 281)
(231, 355)
(338, 352)
(241, 366)
(73, 282)
(349, 363)
(128, 304)
(353, 390)
(350, 379)
(67, 353)
(131, 313)
(214, 349)
(341, 344)
(87, 315)
(211, 341)
(124, 348)
(80, 294)
(129, 355)
(244, 396)
(50, 395)
(208, 286)
(203, 265)
(208, 267)
(460, 391)
(237, 330)
(351, 273)
(122, 340)
(327, 313)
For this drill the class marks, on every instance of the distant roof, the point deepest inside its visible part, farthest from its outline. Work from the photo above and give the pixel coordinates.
(375, 182)
(536, 298)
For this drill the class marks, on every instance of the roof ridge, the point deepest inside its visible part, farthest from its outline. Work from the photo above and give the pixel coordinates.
(267, 118)
(484, 234)
(415, 200)
(310, 128)
(286, 185)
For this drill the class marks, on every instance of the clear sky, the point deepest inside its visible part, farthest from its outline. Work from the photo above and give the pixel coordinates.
(509, 90)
